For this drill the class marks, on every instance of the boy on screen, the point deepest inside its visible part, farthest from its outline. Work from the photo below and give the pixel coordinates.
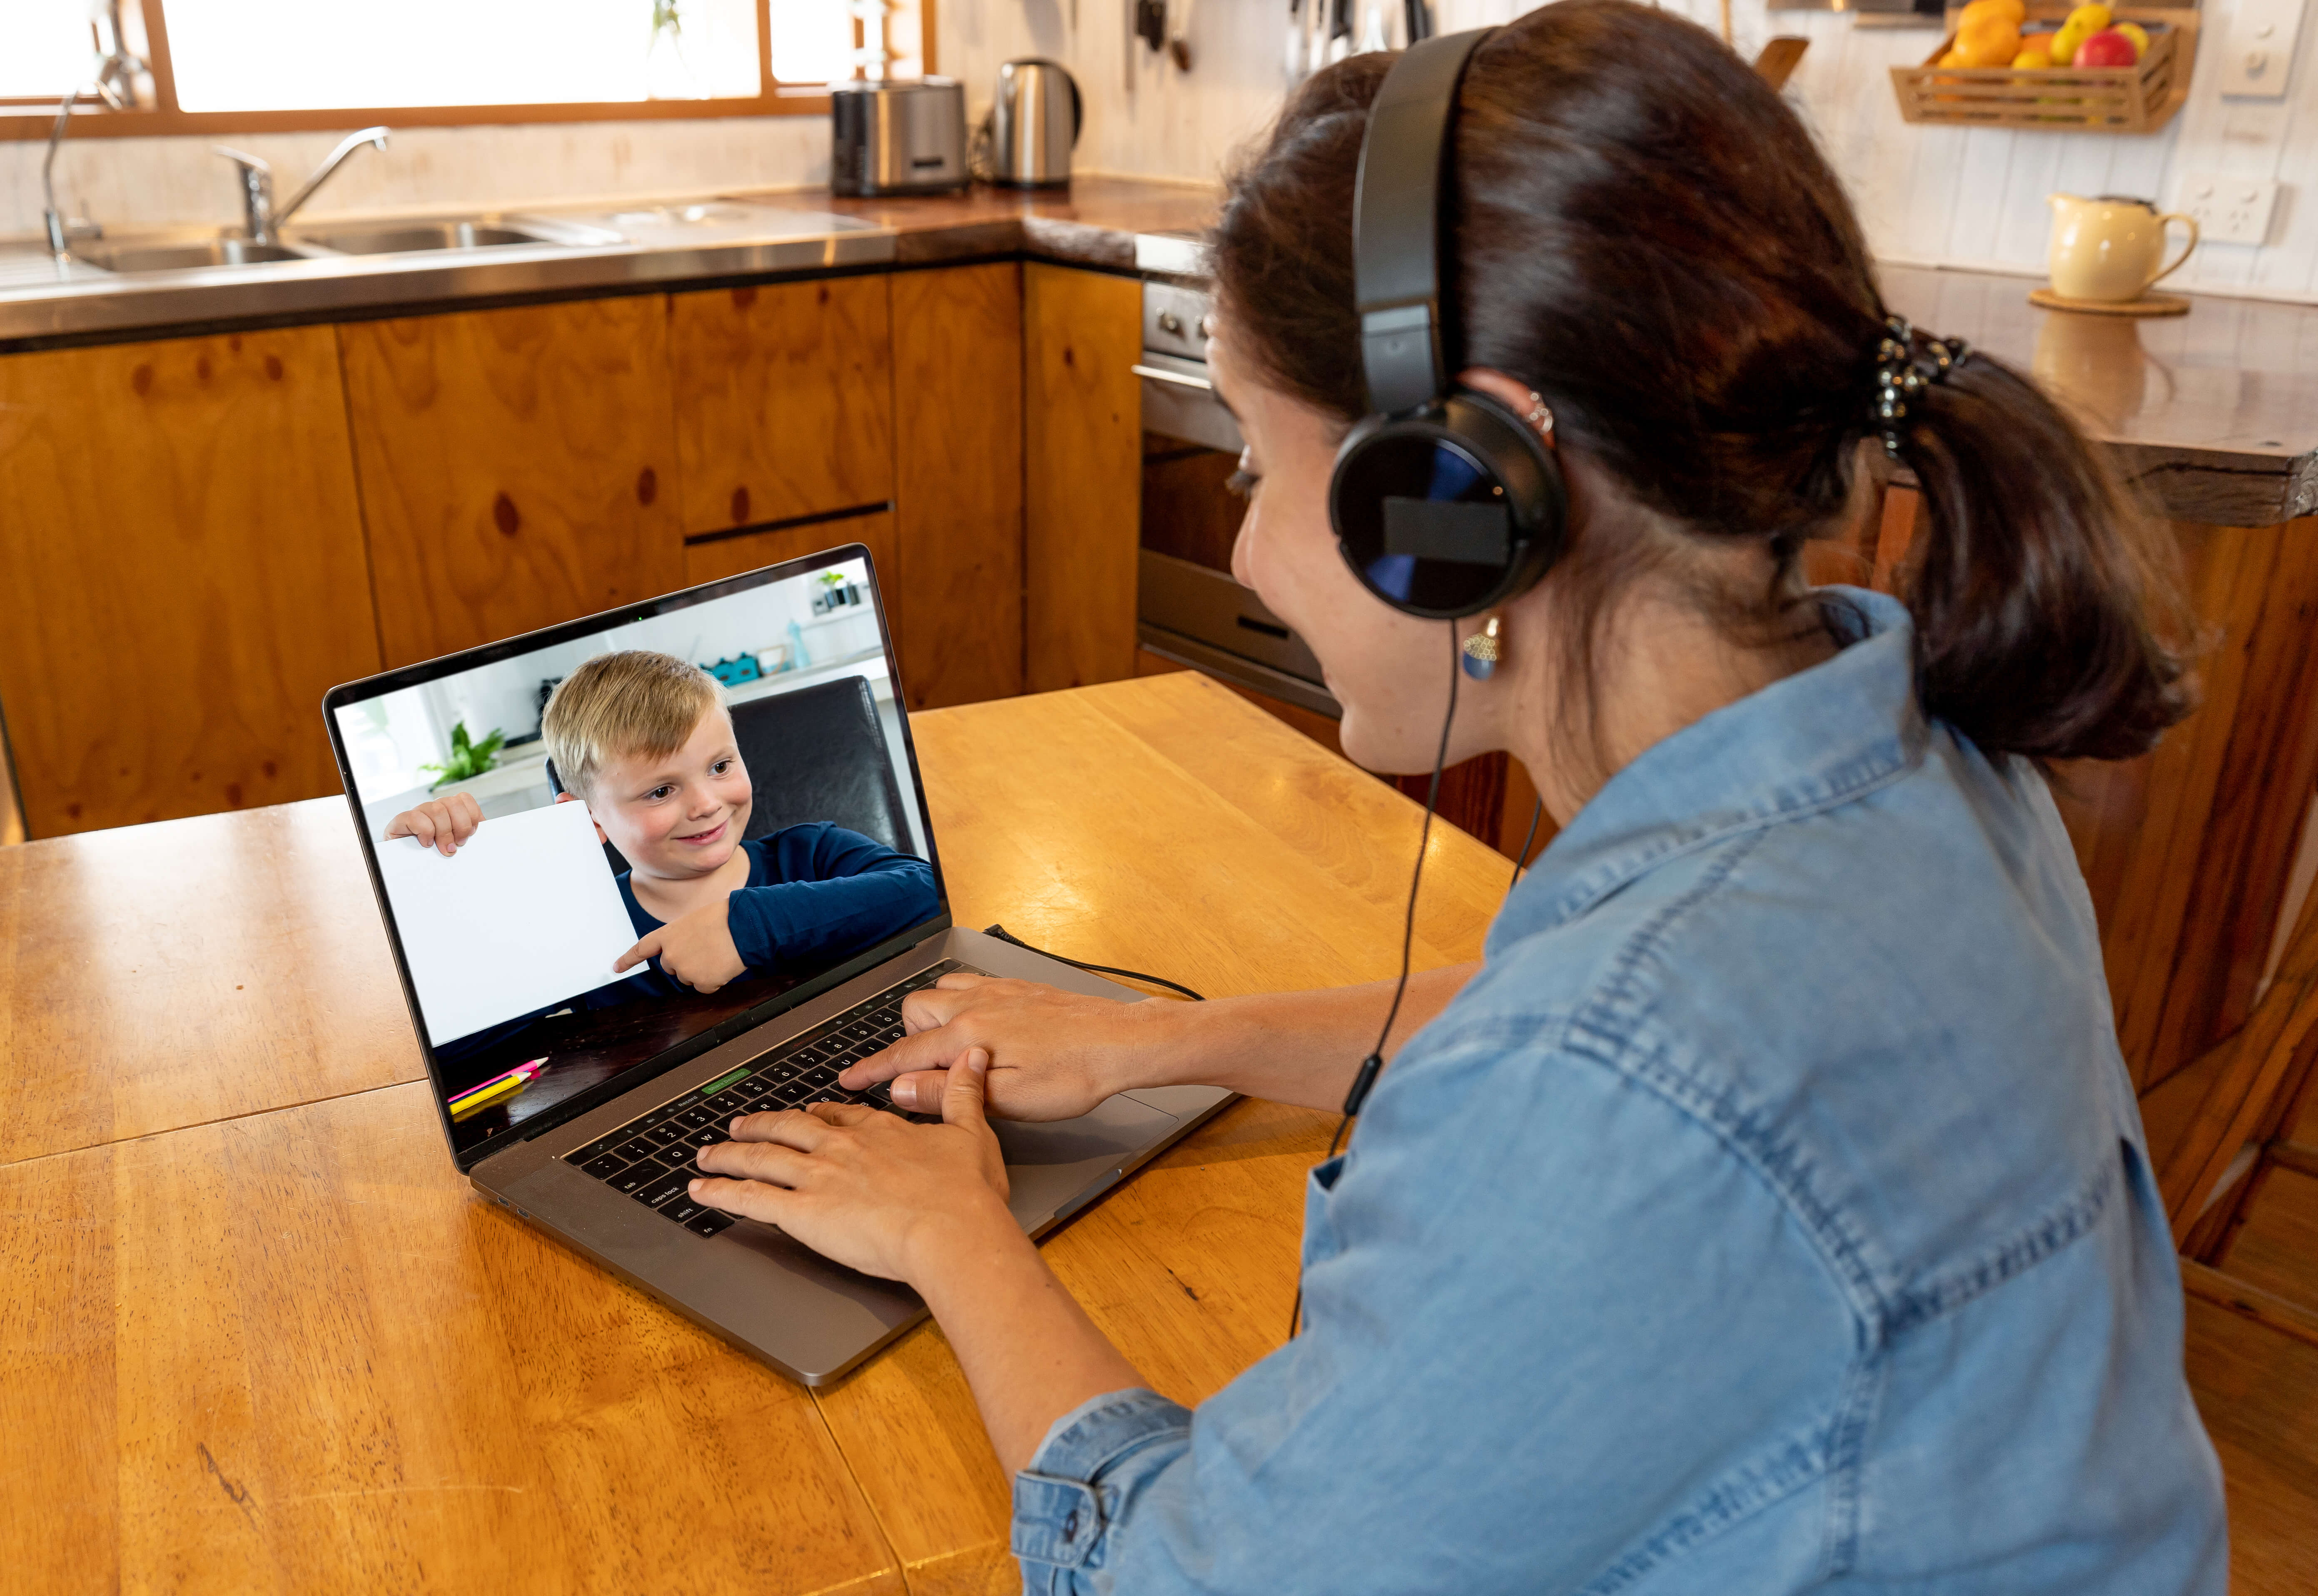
(644, 740)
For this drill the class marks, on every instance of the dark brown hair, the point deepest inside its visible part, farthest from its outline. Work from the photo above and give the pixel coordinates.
(1646, 234)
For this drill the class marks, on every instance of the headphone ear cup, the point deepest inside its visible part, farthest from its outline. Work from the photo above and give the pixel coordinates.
(1447, 509)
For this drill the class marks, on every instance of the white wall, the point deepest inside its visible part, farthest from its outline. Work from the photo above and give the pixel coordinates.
(1936, 195)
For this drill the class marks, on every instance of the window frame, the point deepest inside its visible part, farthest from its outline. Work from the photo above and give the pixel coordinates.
(33, 119)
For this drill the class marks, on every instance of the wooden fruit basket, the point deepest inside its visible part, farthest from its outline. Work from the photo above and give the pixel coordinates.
(2137, 99)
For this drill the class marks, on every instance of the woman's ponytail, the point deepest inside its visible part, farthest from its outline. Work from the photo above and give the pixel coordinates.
(2032, 587)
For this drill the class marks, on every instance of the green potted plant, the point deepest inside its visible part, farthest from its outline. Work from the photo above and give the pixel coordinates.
(467, 759)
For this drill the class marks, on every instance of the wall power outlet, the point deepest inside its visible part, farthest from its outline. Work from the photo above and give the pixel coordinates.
(2229, 209)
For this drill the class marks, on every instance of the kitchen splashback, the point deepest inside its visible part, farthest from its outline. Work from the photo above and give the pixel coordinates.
(1943, 196)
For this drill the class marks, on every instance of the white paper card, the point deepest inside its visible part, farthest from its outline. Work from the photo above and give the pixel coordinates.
(525, 914)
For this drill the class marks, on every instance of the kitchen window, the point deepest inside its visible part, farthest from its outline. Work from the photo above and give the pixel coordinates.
(217, 66)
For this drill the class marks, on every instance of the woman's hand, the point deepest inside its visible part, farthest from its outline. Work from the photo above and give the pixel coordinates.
(439, 824)
(1053, 1054)
(867, 1189)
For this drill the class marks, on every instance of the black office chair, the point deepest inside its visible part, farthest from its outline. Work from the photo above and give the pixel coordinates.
(819, 754)
(816, 754)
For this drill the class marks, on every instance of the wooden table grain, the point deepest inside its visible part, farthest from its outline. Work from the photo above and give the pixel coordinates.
(256, 1332)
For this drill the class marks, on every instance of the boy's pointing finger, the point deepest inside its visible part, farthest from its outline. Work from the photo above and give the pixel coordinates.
(638, 953)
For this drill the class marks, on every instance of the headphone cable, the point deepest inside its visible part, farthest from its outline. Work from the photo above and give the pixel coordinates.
(1373, 1064)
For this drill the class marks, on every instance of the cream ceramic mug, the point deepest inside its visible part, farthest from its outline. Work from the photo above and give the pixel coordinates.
(2108, 248)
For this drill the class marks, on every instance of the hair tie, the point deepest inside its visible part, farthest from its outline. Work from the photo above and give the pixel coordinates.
(1904, 371)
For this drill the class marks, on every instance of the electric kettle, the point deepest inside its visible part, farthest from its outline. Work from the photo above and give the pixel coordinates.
(1034, 125)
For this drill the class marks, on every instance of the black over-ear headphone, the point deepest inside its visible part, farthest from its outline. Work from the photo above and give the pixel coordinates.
(1444, 501)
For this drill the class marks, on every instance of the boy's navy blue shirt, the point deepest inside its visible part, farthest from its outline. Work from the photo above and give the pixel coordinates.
(815, 893)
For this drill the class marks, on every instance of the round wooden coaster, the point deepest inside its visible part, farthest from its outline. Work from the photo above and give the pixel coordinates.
(2155, 304)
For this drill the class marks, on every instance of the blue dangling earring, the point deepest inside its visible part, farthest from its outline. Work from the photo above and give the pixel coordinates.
(1484, 649)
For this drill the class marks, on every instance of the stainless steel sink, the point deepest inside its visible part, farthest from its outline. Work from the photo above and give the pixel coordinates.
(457, 232)
(179, 257)
(404, 236)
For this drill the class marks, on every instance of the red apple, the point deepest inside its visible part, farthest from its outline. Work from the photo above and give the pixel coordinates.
(2108, 47)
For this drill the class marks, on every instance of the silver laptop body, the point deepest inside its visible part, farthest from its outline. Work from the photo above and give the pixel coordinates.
(749, 1283)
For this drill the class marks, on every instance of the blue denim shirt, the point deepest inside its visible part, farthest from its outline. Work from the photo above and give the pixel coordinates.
(1770, 1212)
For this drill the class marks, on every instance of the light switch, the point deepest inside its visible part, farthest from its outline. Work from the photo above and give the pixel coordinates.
(2229, 209)
(2259, 53)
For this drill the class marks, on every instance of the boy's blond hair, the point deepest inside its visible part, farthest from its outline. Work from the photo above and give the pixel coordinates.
(617, 706)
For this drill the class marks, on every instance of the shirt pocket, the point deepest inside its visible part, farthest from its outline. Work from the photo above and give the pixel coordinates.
(1321, 1243)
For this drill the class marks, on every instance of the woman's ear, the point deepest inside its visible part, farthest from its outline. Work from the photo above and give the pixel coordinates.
(570, 797)
(1513, 394)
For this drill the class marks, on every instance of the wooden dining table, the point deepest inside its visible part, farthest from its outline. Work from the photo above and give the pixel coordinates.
(257, 1334)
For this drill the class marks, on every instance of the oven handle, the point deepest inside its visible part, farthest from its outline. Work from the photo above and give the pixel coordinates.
(1181, 380)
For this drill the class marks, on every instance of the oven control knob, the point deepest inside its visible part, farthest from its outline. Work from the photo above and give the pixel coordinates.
(1171, 323)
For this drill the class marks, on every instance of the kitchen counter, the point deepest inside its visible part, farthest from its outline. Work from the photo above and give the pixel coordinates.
(2214, 413)
(754, 236)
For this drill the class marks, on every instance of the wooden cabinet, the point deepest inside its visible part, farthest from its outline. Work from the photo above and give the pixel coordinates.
(516, 467)
(784, 399)
(1082, 435)
(184, 575)
(717, 558)
(958, 413)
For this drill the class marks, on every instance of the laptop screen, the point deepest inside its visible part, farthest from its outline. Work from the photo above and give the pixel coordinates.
(608, 847)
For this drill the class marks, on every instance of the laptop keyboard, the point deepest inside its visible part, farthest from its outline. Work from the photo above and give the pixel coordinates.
(651, 1158)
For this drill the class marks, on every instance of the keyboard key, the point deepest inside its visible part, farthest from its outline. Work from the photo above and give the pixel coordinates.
(605, 1165)
(658, 1191)
(725, 1101)
(637, 1147)
(708, 1222)
(707, 1136)
(683, 1209)
(637, 1176)
(599, 1146)
(698, 1114)
(668, 1134)
(820, 1075)
(790, 1093)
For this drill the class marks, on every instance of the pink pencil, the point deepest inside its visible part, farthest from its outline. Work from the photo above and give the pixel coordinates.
(525, 1074)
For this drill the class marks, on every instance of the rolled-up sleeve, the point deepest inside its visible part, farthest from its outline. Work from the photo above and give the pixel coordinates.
(1085, 1474)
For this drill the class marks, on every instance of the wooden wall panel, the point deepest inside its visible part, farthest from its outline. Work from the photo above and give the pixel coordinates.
(1084, 430)
(784, 401)
(959, 482)
(181, 575)
(515, 466)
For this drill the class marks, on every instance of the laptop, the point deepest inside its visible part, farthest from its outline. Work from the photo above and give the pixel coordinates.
(576, 1098)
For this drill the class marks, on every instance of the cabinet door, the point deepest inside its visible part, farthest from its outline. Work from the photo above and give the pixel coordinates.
(184, 575)
(1082, 332)
(784, 401)
(957, 406)
(515, 468)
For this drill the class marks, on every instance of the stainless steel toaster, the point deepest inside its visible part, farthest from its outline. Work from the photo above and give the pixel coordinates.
(904, 136)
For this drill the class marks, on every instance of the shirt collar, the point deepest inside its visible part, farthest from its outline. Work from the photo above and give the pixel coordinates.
(1808, 741)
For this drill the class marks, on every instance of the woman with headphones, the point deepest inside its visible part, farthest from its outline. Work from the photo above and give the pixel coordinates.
(1769, 1209)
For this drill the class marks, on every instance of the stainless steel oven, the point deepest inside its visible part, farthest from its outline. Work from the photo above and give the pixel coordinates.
(1188, 607)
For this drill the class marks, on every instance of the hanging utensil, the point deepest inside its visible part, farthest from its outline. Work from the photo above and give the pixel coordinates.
(1179, 43)
(1777, 61)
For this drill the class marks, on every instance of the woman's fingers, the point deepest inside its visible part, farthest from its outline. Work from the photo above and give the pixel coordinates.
(757, 1160)
(750, 1199)
(788, 1127)
(928, 1050)
(921, 1091)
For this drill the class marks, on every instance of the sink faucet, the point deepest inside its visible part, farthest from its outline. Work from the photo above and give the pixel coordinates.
(260, 213)
(118, 76)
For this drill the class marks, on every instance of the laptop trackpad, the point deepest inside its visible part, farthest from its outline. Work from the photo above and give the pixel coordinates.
(1054, 1165)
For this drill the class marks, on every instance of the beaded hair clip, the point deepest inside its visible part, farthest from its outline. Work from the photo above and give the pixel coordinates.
(1901, 373)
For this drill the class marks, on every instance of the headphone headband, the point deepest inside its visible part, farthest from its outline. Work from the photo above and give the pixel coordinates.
(1397, 224)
